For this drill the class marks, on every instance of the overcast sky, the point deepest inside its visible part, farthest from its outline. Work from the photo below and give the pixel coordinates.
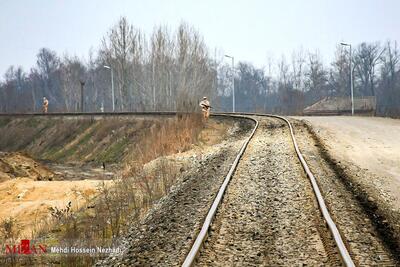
(249, 30)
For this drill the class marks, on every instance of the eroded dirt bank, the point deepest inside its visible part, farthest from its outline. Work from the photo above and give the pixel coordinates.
(17, 165)
(78, 139)
(56, 162)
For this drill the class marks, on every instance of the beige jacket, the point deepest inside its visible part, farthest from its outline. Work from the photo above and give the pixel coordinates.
(205, 105)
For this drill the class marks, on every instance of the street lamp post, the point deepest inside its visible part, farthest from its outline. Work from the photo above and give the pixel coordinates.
(351, 80)
(233, 81)
(112, 86)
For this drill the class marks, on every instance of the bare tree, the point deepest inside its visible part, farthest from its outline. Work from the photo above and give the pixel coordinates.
(115, 51)
(316, 82)
(339, 77)
(72, 72)
(299, 69)
(366, 59)
(48, 68)
(389, 88)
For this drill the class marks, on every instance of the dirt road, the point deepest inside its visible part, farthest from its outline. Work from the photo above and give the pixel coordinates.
(369, 243)
(368, 142)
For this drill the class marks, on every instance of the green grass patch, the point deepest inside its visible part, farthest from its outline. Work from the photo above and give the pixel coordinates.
(32, 122)
(34, 134)
(4, 121)
(114, 152)
(59, 153)
(67, 153)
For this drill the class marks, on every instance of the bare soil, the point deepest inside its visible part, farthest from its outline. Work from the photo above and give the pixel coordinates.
(29, 201)
(29, 189)
(18, 165)
(370, 143)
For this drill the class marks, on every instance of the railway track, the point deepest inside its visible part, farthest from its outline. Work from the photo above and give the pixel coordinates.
(195, 249)
(332, 242)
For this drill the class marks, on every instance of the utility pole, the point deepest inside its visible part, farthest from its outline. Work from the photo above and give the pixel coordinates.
(82, 85)
(233, 81)
(351, 80)
(112, 86)
(154, 86)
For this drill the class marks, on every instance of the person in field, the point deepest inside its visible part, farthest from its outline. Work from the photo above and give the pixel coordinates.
(205, 107)
(45, 104)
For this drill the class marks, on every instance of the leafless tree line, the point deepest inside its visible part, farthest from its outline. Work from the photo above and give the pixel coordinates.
(172, 70)
(166, 71)
(291, 86)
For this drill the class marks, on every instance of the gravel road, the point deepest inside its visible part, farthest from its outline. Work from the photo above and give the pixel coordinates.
(371, 143)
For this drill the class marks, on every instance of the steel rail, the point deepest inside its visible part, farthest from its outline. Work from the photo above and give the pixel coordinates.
(190, 258)
(345, 255)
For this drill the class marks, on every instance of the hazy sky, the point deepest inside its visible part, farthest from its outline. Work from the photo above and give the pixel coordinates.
(250, 30)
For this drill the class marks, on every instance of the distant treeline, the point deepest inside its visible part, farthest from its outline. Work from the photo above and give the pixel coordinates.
(167, 71)
(288, 87)
(173, 70)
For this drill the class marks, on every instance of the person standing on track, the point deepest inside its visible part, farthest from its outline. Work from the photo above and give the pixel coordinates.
(205, 107)
(45, 104)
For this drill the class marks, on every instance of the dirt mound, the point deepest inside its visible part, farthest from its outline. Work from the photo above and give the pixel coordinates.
(341, 105)
(17, 165)
(30, 202)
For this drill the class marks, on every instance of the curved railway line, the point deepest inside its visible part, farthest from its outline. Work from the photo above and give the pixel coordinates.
(333, 242)
(345, 256)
